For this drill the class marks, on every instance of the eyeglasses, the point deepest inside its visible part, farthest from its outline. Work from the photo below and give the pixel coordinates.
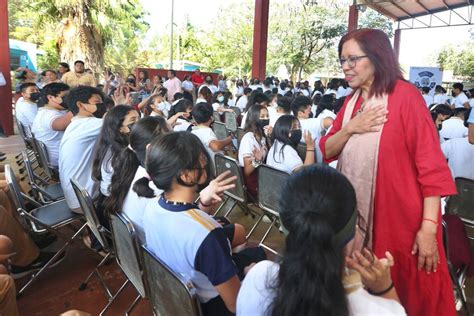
(351, 60)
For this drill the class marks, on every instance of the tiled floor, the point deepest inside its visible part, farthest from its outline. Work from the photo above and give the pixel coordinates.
(57, 290)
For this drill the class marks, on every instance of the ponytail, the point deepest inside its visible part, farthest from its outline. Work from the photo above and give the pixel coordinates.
(309, 280)
(142, 188)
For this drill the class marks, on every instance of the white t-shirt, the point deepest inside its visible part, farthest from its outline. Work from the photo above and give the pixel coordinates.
(453, 128)
(460, 155)
(274, 118)
(134, 206)
(440, 98)
(238, 91)
(211, 87)
(244, 119)
(106, 171)
(429, 99)
(242, 102)
(76, 154)
(471, 102)
(330, 91)
(206, 135)
(200, 100)
(341, 92)
(315, 127)
(256, 295)
(247, 145)
(460, 100)
(182, 125)
(25, 112)
(187, 85)
(216, 106)
(43, 130)
(286, 160)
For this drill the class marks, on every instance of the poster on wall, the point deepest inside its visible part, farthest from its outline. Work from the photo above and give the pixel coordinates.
(426, 77)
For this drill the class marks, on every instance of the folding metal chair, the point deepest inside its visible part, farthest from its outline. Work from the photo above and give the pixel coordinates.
(236, 110)
(26, 135)
(100, 232)
(240, 134)
(43, 160)
(49, 217)
(231, 121)
(45, 191)
(270, 185)
(169, 292)
(458, 278)
(301, 150)
(216, 116)
(219, 129)
(238, 194)
(128, 255)
(462, 204)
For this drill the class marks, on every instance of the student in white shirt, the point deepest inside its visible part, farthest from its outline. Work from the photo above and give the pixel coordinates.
(187, 85)
(208, 82)
(182, 234)
(460, 155)
(218, 103)
(202, 114)
(454, 126)
(301, 107)
(239, 88)
(243, 100)
(256, 97)
(440, 96)
(129, 169)
(25, 107)
(285, 138)
(112, 140)
(52, 119)
(78, 142)
(283, 108)
(319, 218)
(429, 99)
(183, 109)
(254, 145)
(204, 95)
(460, 98)
(158, 104)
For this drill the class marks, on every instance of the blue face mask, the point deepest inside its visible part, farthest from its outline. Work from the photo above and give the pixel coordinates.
(220, 99)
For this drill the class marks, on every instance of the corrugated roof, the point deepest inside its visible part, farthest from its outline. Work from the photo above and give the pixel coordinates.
(399, 10)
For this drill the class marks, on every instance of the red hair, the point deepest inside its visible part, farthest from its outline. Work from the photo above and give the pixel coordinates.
(376, 45)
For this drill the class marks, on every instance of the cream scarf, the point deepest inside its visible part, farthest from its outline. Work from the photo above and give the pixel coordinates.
(358, 162)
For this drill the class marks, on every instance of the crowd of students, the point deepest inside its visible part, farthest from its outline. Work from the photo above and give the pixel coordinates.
(145, 147)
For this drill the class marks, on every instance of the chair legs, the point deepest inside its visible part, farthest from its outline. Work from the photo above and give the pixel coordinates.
(112, 299)
(60, 251)
(132, 306)
(96, 271)
(261, 244)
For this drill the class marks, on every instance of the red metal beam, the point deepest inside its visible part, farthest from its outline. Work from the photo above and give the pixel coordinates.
(353, 18)
(260, 37)
(6, 117)
(396, 43)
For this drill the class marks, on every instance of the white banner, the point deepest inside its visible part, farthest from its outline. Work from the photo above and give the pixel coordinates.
(426, 77)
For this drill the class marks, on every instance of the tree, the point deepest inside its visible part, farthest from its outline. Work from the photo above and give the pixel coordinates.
(458, 59)
(82, 27)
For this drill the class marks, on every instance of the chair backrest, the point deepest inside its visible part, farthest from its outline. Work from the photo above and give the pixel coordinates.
(270, 185)
(301, 150)
(43, 157)
(25, 133)
(28, 167)
(240, 134)
(462, 204)
(217, 116)
(231, 121)
(169, 293)
(236, 110)
(219, 129)
(14, 187)
(224, 163)
(87, 206)
(127, 250)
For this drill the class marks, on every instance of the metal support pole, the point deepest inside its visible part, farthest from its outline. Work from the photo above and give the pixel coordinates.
(171, 37)
(6, 117)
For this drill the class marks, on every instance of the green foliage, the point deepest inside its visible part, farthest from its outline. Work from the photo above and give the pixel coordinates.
(460, 61)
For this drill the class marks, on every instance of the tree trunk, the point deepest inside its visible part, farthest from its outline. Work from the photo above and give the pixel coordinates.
(81, 41)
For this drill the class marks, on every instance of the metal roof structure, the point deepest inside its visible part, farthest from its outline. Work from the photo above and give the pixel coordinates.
(415, 14)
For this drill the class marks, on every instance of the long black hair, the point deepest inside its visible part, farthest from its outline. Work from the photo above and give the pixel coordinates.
(130, 158)
(53, 89)
(318, 203)
(253, 115)
(183, 105)
(172, 154)
(326, 103)
(257, 97)
(281, 133)
(111, 141)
